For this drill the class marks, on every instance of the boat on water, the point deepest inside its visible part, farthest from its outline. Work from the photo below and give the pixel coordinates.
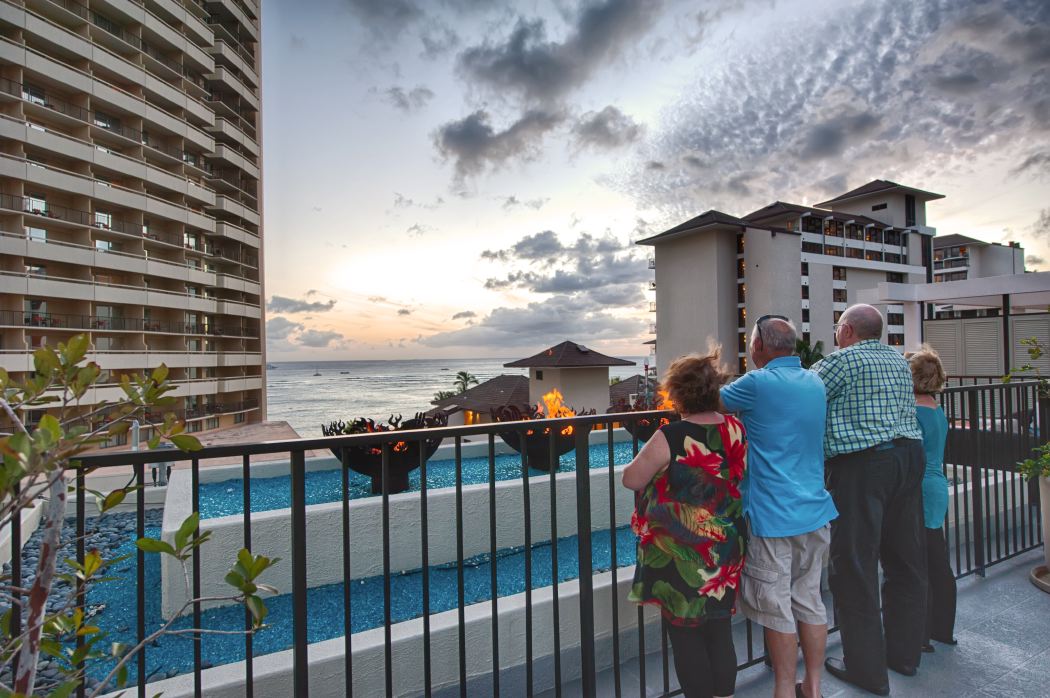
(344, 372)
(316, 372)
(271, 367)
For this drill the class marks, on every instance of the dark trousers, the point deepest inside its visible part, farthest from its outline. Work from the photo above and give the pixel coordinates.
(878, 493)
(704, 658)
(940, 601)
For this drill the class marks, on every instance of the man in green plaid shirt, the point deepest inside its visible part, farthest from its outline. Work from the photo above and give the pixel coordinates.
(874, 462)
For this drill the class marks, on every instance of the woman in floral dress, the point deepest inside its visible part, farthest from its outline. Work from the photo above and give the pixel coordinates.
(689, 526)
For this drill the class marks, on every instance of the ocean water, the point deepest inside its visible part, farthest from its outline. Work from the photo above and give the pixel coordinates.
(376, 389)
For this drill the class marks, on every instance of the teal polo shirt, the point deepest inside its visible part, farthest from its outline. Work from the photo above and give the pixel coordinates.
(783, 408)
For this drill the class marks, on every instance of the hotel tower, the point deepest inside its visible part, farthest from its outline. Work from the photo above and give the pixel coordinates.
(130, 172)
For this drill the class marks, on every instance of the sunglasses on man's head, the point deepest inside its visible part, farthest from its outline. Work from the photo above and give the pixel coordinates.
(763, 319)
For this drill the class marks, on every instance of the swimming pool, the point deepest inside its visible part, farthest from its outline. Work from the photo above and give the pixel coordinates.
(225, 498)
(114, 601)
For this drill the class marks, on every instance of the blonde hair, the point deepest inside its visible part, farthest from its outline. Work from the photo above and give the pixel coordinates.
(692, 381)
(927, 373)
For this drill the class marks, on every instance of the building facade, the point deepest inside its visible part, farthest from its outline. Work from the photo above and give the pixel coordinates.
(957, 257)
(130, 172)
(716, 273)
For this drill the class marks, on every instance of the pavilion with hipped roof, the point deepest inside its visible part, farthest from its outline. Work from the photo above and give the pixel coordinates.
(580, 374)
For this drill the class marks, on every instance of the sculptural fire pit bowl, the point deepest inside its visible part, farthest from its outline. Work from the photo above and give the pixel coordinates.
(404, 455)
(536, 442)
(644, 428)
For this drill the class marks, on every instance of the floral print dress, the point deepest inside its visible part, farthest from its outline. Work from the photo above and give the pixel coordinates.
(690, 527)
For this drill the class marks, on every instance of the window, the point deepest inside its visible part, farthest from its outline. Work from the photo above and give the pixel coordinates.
(192, 291)
(894, 318)
(812, 247)
(741, 342)
(740, 243)
(740, 267)
(873, 235)
(239, 418)
(854, 232)
(539, 375)
(879, 207)
(805, 315)
(35, 312)
(833, 250)
(854, 253)
(105, 121)
(741, 293)
(805, 292)
(893, 258)
(895, 340)
(811, 224)
(190, 240)
(103, 220)
(212, 423)
(805, 337)
(38, 234)
(103, 246)
(741, 365)
(838, 273)
(909, 209)
(36, 204)
(838, 295)
(34, 94)
(873, 256)
(893, 237)
(741, 317)
(833, 228)
(805, 269)
(836, 316)
(895, 277)
(104, 343)
(36, 270)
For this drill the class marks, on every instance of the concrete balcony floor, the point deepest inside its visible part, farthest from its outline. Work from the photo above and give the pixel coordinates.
(1003, 628)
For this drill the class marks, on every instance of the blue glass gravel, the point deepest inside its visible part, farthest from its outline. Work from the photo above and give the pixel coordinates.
(114, 602)
(226, 498)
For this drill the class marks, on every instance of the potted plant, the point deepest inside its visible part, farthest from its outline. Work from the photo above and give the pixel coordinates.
(404, 455)
(1038, 466)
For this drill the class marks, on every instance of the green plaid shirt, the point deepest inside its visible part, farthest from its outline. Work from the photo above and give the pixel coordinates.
(870, 397)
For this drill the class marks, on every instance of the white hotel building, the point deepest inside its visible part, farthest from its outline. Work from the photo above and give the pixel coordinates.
(130, 170)
(716, 273)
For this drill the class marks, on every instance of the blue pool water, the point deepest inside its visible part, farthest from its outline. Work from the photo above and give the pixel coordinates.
(174, 655)
(226, 497)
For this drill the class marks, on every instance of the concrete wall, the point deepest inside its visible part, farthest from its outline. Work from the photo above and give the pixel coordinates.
(271, 531)
(581, 388)
(773, 282)
(995, 260)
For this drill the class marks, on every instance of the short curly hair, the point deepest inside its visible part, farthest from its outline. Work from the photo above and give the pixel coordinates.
(927, 373)
(692, 382)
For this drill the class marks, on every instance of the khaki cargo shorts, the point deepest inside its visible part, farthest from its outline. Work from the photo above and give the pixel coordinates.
(781, 580)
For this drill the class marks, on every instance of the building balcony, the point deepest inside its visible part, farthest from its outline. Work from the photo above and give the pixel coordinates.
(598, 637)
(239, 57)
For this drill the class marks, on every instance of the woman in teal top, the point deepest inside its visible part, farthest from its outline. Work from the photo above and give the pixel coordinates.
(928, 376)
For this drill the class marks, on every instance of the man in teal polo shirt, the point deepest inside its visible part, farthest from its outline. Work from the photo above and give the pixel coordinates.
(783, 408)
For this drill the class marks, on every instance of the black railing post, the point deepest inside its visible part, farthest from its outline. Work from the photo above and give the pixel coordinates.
(300, 665)
(976, 483)
(583, 535)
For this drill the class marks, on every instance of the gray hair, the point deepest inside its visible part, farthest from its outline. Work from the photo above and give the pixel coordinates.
(778, 336)
(866, 321)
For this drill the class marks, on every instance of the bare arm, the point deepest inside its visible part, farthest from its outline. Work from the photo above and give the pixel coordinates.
(653, 458)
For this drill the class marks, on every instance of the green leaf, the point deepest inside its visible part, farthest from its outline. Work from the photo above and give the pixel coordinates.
(160, 373)
(188, 527)
(45, 362)
(235, 580)
(186, 442)
(75, 349)
(257, 608)
(113, 499)
(52, 426)
(64, 690)
(151, 545)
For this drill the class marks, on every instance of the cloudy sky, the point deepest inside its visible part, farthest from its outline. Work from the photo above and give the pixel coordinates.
(466, 178)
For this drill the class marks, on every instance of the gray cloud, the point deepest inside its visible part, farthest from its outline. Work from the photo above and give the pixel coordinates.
(410, 100)
(527, 64)
(464, 314)
(402, 201)
(437, 41)
(545, 322)
(513, 201)
(608, 128)
(1034, 260)
(281, 304)
(1041, 227)
(404, 311)
(475, 145)
(318, 338)
(898, 105)
(280, 328)
(655, 165)
(388, 16)
(417, 230)
(1039, 162)
(377, 299)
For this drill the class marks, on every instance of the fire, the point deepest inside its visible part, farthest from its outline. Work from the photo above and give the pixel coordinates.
(665, 402)
(554, 406)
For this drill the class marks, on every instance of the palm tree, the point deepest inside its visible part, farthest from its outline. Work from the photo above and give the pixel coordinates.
(807, 354)
(464, 380)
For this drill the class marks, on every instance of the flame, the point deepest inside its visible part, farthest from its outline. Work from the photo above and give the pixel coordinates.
(665, 402)
(553, 406)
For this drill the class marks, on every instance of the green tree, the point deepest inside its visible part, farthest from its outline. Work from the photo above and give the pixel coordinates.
(809, 355)
(34, 472)
(463, 381)
(444, 394)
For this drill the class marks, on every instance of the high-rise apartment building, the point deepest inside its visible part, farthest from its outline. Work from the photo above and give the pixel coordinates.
(130, 168)
(957, 257)
(716, 273)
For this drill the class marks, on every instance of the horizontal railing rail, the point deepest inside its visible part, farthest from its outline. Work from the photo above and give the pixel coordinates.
(993, 516)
